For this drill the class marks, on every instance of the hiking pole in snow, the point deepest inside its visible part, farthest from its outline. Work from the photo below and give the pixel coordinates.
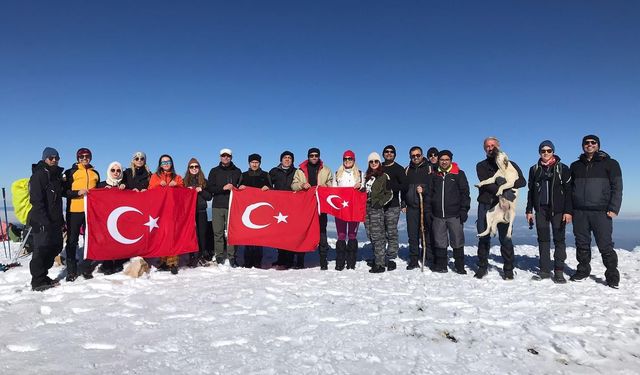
(3, 244)
(6, 219)
(424, 243)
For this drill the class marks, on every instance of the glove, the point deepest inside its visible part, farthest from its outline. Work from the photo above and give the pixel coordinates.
(500, 180)
(463, 217)
(509, 195)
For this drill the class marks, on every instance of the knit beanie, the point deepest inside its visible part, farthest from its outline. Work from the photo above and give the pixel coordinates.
(389, 147)
(313, 150)
(139, 155)
(287, 153)
(84, 151)
(255, 157)
(373, 156)
(193, 161)
(49, 151)
(432, 150)
(591, 136)
(349, 154)
(547, 143)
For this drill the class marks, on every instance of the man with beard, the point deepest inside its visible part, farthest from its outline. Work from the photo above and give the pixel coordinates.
(281, 179)
(392, 209)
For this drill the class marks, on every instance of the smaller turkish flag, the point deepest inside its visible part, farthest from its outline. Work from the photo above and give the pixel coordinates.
(279, 219)
(123, 223)
(345, 203)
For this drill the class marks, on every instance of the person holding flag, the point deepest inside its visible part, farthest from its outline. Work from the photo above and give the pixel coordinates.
(347, 175)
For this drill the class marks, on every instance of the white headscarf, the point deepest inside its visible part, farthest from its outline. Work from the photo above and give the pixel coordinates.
(110, 180)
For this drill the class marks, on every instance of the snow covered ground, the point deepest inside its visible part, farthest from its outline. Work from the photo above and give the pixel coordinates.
(219, 320)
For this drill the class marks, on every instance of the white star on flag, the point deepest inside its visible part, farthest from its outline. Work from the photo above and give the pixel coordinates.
(152, 223)
(281, 218)
(345, 204)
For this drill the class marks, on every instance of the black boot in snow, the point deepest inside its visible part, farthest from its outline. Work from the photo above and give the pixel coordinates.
(458, 256)
(323, 261)
(341, 253)
(440, 261)
(391, 265)
(558, 277)
(352, 254)
(377, 269)
(299, 263)
(413, 263)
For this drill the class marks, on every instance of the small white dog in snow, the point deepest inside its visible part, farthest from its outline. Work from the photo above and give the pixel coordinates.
(505, 210)
(136, 267)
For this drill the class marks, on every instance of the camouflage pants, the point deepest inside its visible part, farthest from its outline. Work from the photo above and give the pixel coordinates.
(391, 217)
(374, 224)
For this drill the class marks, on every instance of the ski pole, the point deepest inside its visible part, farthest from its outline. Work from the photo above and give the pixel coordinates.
(424, 243)
(6, 217)
(2, 236)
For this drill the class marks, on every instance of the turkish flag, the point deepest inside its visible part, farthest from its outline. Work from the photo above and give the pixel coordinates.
(124, 223)
(279, 219)
(345, 203)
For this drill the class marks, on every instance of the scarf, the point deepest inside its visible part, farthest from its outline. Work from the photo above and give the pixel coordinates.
(110, 180)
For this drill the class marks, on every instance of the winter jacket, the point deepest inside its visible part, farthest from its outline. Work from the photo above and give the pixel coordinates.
(138, 181)
(281, 179)
(75, 179)
(302, 176)
(378, 190)
(218, 178)
(549, 187)
(347, 177)
(416, 175)
(45, 195)
(448, 194)
(203, 196)
(487, 168)
(397, 179)
(597, 183)
(256, 179)
(166, 177)
(104, 184)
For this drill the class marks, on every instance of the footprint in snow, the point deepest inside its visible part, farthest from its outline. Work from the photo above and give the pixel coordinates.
(22, 348)
(98, 346)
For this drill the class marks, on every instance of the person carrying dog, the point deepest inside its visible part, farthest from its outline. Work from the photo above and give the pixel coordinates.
(486, 200)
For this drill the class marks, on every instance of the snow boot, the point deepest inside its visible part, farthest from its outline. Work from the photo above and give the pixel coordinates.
(413, 263)
(541, 275)
(299, 261)
(341, 253)
(458, 256)
(323, 261)
(377, 269)
(558, 277)
(578, 276)
(352, 254)
(391, 265)
(480, 273)
(440, 261)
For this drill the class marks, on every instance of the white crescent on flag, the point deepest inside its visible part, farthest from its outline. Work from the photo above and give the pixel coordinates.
(246, 215)
(330, 201)
(112, 225)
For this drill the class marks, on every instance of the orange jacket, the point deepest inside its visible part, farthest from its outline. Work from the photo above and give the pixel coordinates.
(155, 180)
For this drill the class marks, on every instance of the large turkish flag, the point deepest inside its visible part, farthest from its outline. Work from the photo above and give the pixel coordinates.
(345, 203)
(124, 223)
(279, 219)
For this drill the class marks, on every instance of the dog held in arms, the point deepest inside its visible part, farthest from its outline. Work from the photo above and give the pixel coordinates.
(505, 210)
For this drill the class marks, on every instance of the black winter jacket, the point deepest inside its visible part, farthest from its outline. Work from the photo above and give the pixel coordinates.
(138, 181)
(487, 168)
(45, 195)
(218, 177)
(256, 179)
(281, 179)
(552, 185)
(448, 195)
(397, 179)
(203, 196)
(416, 175)
(597, 183)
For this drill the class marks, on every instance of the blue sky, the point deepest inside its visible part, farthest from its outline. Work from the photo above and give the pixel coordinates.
(188, 78)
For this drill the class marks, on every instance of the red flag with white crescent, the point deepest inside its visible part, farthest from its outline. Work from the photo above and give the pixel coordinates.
(345, 203)
(124, 223)
(279, 219)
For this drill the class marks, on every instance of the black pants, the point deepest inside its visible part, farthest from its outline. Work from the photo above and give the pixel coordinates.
(415, 235)
(585, 222)
(543, 219)
(484, 243)
(47, 244)
(323, 247)
(75, 221)
(202, 225)
(285, 258)
(253, 256)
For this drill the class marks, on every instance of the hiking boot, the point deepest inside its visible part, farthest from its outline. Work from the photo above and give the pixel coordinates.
(612, 284)
(323, 262)
(439, 269)
(480, 273)
(371, 262)
(220, 260)
(541, 275)
(193, 262)
(232, 263)
(43, 287)
(413, 263)
(51, 281)
(461, 271)
(578, 276)
(174, 270)
(202, 262)
(87, 275)
(508, 275)
(376, 269)
(71, 277)
(391, 265)
(558, 277)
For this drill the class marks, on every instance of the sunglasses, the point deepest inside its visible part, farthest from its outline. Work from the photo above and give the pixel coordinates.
(113, 170)
(314, 155)
(53, 158)
(347, 159)
(374, 162)
(166, 162)
(546, 151)
(138, 159)
(388, 152)
(416, 156)
(84, 157)
(194, 166)
(433, 155)
(225, 156)
(589, 142)
(441, 159)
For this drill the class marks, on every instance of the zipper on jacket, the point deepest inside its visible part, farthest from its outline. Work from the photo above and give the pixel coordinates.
(443, 178)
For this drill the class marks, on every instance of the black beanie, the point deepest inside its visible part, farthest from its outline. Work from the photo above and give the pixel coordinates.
(432, 150)
(253, 157)
(591, 136)
(285, 153)
(445, 152)
(313, 150)
(389, 147)
(547, 143)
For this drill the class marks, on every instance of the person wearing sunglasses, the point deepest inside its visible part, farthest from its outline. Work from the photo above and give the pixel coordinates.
(379, 194)
(166, 177)
(432, 157)
(281, 179)
(78, 180)
(549, 205)
(222, 179)
(347, 175)
(45, 217)
(418, 176)
(194, 179)
(596, 185)
(313, 172)
(137, 176)
(113, 181)
(392, 209)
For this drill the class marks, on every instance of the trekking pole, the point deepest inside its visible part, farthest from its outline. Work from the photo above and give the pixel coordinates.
(3, 244)
(6, 219)
(424, 242)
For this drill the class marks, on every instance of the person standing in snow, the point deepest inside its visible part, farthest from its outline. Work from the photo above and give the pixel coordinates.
(486, 200)
(448, 203)
(392, 209)
(378, 195)
(137, 176)
(113, 181)
(45, 217)
(222, 179)
(313, 172)
(78, 180)
(347, 175)
(549, 204)
(257, 178)
(194, 179)
(281, 179)
(596, 185)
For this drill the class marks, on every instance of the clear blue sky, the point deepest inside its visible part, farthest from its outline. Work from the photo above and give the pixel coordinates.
(190, 77)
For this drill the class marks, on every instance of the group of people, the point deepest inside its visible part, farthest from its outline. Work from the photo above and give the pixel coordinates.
(432, 191)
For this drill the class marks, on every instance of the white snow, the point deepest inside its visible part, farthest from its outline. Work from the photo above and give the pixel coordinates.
(219, 320)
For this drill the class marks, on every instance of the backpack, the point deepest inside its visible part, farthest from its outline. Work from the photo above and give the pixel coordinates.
(556, 168)
(21, 204)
